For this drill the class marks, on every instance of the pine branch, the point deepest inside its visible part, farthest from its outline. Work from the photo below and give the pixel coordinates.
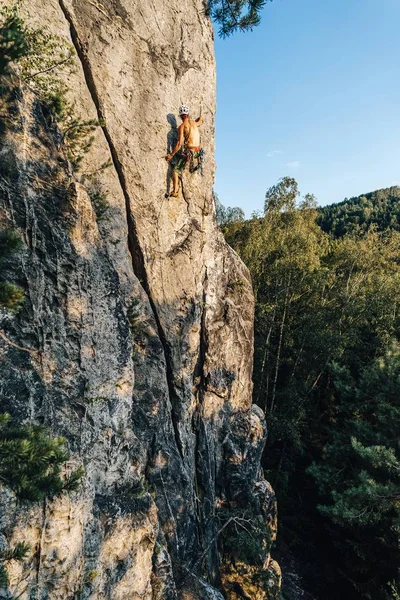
(51, 68)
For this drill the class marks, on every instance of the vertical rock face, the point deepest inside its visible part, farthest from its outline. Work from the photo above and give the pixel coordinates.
(135, 341)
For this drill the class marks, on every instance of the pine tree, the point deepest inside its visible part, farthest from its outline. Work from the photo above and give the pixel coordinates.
(18, 553)
(358, 476)
(12, 41)
(30, 465)
(31, 461)
(233, 15)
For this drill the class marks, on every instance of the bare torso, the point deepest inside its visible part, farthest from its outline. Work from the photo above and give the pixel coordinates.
(191, 133)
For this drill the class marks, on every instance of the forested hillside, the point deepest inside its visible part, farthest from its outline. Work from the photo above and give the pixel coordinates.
(379, 210)
(327, 374)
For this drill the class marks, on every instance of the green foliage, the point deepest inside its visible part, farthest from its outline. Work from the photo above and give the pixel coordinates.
(379, 210)
(97, 400)
(233, 15)
(138, 488)
(239, 284)
(17, 553)
(10, 242)
(282, 196)
(44, 61)
(244, 537)
(326, 308)
(91, 576)
(393, 590)
(46, 56)
(41, 57)
(12, 41)
(227, 215)
(358, 474)
(283, 251)
(77, 138)
(98, 196)
(30, 464)
(31, 461)
(11, 296)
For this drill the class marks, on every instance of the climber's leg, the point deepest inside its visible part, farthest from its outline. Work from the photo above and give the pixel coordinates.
(175, 184)
(177, 171)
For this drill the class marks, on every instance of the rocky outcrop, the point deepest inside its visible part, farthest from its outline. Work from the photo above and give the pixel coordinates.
(135, 341)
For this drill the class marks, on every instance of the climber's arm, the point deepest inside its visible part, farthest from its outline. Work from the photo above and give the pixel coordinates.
(178, 143)
(199, 121)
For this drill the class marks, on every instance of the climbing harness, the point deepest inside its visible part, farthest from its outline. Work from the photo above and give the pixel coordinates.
(195, 154)
(199, 156)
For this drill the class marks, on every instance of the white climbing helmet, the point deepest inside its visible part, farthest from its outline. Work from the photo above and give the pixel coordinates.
(183, 110)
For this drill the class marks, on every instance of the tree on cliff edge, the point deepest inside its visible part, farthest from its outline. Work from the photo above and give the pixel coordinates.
(233, 15)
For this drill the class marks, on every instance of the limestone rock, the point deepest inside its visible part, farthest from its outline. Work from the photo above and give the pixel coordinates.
(136, 338)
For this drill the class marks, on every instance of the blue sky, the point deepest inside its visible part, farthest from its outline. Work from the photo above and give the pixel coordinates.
(314, 93)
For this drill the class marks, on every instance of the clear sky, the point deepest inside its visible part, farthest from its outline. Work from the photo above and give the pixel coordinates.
(314, 93)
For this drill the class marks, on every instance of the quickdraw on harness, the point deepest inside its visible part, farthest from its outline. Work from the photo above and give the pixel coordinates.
(192, 155)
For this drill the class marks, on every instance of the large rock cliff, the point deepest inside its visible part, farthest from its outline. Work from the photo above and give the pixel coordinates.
(135, 341)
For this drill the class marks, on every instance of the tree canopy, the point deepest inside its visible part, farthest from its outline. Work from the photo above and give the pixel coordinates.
(378, 210)
(326, 372)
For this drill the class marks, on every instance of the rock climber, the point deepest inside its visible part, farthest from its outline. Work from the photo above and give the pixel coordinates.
(187, 149)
